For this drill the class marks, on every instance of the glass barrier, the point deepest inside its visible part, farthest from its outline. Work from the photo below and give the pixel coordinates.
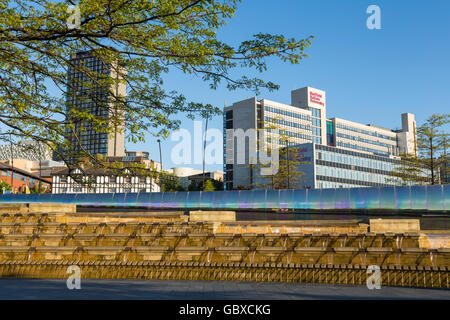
(387, 197)
(403, 196)
(418, 198)
(342, 198)
(395, 198)
(299, 199)
(436, 199)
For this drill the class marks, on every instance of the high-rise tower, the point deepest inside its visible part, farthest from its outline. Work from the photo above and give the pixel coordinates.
(91, 94)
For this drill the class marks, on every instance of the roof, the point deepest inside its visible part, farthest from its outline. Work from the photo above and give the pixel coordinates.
(22, 172)
(88, 171)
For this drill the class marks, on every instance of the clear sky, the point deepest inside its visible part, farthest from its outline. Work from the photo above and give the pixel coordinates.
(370, 76)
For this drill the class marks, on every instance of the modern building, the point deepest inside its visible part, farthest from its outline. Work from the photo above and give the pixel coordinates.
(325, 167)
(20, 179)
(92, 180)
(97, 99)
(188, 175)
(137, 157)
(27, 150)
(303, 121)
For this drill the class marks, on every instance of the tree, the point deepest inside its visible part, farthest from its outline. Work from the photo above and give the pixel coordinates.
(423, 168)
(141, 40)
(409, 171)
(209, 186)
(288, 175)
(432, 141)
(170, 183)
(4, 186)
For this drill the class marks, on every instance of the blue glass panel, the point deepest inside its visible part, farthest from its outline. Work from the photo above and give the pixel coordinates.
(373, 195)
(20, 198)
(327, 198)
(156, 200)
(387, 198)
(446, 197)
(82, 199)
(231, 199)
(169, 200)
(286, 198)
(418, 198)
(181, 199)
(130, 199)
(193, 199)
(245, 199)
(358, 199)
(403, 195)
(314, 199)
(61, 199)
(258, 197)
(434, 198)
(272, 199)
(53, 198)
(119, 199)
(33, 197)
(342, 198)
(217, 199)
(365, 198)
(206, 199)
(144, 199)
(8, 198)
(299, 199)
(103, 199)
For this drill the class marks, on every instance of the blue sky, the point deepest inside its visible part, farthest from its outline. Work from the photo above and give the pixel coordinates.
(370, 76)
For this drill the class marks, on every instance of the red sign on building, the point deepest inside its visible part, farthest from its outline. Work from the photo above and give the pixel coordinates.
(315, 97)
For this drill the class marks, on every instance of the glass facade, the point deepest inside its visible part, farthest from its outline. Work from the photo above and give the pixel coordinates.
(87, 95)
(340, 168)
(331, 137)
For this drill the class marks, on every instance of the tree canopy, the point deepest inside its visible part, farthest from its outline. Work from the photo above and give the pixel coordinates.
(141, 40)
(431, 160)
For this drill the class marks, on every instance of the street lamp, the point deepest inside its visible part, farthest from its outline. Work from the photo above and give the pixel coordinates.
(204, 148)
(160, 160)
(160, 154)
(12, 163)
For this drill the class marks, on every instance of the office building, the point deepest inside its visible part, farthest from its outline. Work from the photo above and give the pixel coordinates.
(188, 175)
(304, 121)
(323, 167)
(141, 158)
(27, 150)
(92, 96)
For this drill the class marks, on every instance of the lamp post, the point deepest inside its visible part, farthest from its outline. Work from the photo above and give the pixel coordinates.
(40, 167)
(160, 160)
(12, 163)
(288, 186)
(204, 148)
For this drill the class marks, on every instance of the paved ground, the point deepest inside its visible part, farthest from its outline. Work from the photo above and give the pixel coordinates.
(200, 290)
